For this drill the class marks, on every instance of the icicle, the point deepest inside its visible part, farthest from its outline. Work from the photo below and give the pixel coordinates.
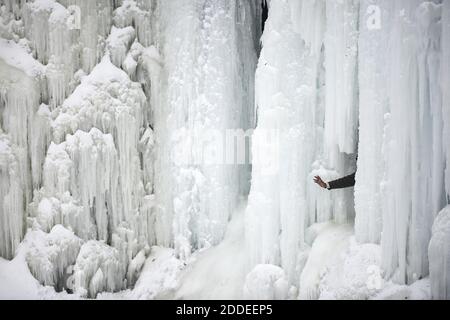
(41, 135)
(373, 105)
(413, 192)
(341, 52)
(445, 83)
(11, 199)
(290, 112)
(149, 74)
(147, 149)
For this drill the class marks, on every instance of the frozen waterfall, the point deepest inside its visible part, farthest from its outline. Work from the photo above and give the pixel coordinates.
(144, 143)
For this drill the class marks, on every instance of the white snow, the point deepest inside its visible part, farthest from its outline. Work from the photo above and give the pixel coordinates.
(223, 264)
(266, 282)
(16, 56)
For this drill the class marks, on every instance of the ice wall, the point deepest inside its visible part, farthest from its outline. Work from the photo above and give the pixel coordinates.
(340, 79)
(19, 72)
(373, 105)
(294, 91)
(77, 148)
(445, 83)
(209, 51)
(11, 199)
(414, 140)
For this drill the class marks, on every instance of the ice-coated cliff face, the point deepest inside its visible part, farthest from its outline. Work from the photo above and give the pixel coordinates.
(98, 99)
(116, 118)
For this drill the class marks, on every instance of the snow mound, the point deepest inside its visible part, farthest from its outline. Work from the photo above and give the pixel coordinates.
(358, 277)
(137, 14)
(106, 99)
(328, 248)
(159, 277)
(266, 282)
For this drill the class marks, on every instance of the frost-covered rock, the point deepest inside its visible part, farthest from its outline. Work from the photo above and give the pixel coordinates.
(49, 255)
(97, 269)
(439, 256)
(266, 282)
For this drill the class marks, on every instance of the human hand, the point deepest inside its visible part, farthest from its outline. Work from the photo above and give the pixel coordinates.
(320, 182)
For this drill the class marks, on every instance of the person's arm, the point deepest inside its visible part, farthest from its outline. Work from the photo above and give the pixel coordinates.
(346, 182)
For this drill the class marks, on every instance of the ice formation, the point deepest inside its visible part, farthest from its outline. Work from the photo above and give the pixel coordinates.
(11, 199)
(113, 114)
(97, 268)
(266, 282)
(347, 80)
(49, 255)
(439, 255)
(206, 85)
(105, 102)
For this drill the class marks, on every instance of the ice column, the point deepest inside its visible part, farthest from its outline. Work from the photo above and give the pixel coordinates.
(413, 145)
(11, 200)
(207, 86)
(287, 139)
(445, 84)
(373, 105)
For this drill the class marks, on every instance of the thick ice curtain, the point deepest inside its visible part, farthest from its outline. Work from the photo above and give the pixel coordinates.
(210, 51)
(413, 145)
(373, 47)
